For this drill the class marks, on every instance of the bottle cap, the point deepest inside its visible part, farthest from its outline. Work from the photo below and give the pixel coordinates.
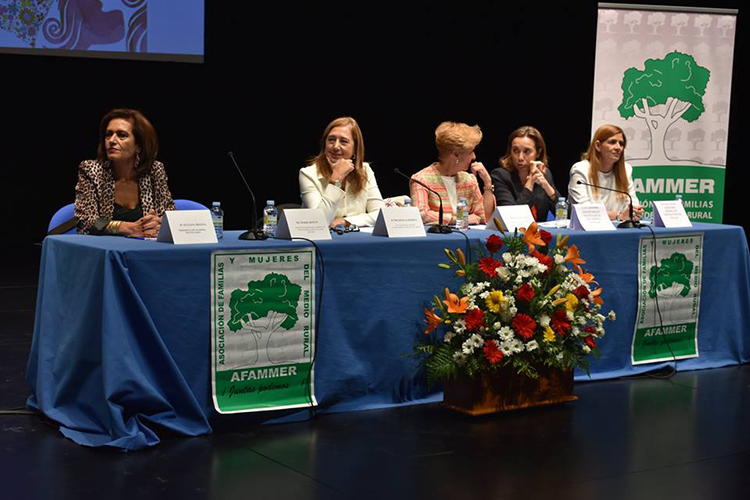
(217, 204)
(270, 202)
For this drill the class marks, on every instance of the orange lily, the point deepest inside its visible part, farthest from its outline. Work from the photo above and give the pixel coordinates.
(531, 236)
(455, 305)
(585, 276)
(461, 257)
(559, 301)
(574, 255)
(597, 299)
(432, 319)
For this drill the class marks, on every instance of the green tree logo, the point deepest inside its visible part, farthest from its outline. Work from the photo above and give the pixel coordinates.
(264, 308)
(671, 280)
(676, 85)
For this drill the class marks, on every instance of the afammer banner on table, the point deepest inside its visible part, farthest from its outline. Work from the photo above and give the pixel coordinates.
(664, 76)
(262, 329)
(669, 293)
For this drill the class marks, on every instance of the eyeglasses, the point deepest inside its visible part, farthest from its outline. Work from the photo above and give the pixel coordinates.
(343, 228)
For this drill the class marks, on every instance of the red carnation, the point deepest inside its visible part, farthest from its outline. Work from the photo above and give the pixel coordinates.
(492, 353)
(546, 236)
(474, 320)
(581, 292)
(590, 341)
(524, 326)
(590, 329)
(526, 293)
(560, 322)
(489, 265)
(543, 259)
(494, 243)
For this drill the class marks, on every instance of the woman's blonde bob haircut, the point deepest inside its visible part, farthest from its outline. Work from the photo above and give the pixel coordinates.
(452, 136)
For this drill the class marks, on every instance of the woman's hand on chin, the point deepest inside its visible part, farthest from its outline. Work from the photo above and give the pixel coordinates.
(341, 168)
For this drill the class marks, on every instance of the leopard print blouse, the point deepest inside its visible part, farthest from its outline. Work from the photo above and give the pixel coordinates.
(95, 192)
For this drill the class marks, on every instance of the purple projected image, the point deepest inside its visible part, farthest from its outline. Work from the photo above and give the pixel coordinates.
(107, 27)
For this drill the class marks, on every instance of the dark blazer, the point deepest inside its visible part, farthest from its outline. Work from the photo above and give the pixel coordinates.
(510, 191)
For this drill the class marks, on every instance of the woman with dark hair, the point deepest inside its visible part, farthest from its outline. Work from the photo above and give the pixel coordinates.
(339, 181)
(525, 177)
(603, 165)
(124, 191)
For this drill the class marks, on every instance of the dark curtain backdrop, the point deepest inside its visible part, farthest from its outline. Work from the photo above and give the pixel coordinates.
(275, 74)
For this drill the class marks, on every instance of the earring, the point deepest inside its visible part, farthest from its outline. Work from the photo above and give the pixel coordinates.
(137, 159)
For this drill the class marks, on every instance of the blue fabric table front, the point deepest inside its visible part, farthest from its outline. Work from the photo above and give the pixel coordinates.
(122, 328)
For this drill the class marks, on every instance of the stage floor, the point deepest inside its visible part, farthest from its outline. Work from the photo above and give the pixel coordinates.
(686, 437)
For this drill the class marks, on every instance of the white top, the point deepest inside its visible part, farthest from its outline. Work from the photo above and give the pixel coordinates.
(450, 186)
(360, 209)
(580, 193)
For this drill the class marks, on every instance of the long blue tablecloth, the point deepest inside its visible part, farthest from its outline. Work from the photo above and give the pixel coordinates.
(122, 329)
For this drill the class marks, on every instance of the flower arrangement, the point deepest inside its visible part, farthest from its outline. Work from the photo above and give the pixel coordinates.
(527, 306)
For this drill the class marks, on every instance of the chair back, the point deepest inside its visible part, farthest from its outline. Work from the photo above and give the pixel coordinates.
(63, 215)
(189, 205)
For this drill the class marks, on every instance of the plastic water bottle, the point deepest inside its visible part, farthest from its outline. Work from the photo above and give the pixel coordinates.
(462, 215)
(270, 218)
(217, 215)
(679, 198)
(561, 209)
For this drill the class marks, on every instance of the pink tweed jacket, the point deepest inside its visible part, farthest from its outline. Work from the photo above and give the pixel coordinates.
(428, 204)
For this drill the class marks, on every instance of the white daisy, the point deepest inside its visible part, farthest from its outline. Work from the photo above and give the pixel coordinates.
(544, 320)
(517, 345)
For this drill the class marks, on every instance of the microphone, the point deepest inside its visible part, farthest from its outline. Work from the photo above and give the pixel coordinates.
(254, 233)
(626, 224)
(440, 228)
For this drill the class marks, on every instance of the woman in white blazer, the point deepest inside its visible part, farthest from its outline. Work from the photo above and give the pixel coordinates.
(338, 181)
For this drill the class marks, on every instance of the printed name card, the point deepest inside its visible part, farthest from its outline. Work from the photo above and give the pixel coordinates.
(308, 223)
(511, 217)
(187, 227)
(670, 213)
(399, 222)
(590, 217)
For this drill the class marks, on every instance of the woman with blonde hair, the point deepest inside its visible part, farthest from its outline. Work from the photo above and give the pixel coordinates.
(524, 177)
(338, 180)
(448, 176)
(603, 166)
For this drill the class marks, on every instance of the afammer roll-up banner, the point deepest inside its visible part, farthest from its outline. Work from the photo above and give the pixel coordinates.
(664, 74)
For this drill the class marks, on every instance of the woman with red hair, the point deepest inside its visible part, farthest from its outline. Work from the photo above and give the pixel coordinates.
(603, 166)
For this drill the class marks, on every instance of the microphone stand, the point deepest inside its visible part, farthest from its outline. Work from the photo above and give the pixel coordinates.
(254, 233)
(626, 224)
(440, 228)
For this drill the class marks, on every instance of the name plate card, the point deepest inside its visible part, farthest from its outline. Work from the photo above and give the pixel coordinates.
(187, 227)
(399, 222)
(590, 217)
(511, 217)
(308, 223)
(670, 214)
